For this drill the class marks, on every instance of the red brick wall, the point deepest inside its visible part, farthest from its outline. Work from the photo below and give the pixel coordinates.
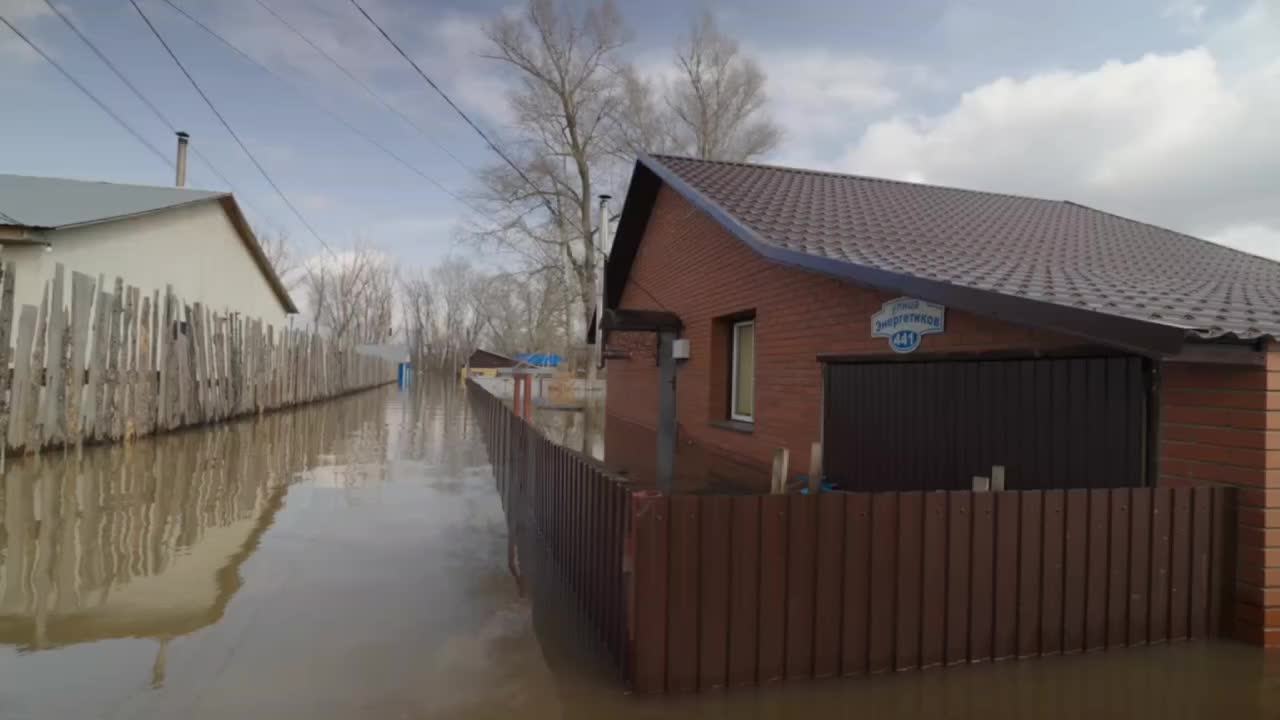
(700, 272)
(1221, 425)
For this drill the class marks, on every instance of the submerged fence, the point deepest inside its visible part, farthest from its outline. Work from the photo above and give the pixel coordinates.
(118, 364)
(693, 592)
(741, 591)
(568, 504)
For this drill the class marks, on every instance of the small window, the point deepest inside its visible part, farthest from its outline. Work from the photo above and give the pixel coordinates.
(742, 390)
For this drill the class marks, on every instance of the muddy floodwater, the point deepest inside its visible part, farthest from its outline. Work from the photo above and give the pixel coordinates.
(348, 560)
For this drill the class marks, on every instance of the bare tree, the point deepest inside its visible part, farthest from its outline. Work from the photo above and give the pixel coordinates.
(279, 251)
(718, 101)
(351, 296)
(565, 98)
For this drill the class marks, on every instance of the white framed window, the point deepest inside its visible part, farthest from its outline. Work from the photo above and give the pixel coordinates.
(742, 385)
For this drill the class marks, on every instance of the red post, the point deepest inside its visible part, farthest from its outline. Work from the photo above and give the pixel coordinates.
(517, 399)
(528, 396)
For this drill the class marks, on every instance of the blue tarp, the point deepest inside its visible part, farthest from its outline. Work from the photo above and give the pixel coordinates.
(539, 359)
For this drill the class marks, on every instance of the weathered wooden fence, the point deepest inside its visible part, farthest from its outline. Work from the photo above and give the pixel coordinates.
(116, 364)
(566, 502)
(741, 591)
(693, 592)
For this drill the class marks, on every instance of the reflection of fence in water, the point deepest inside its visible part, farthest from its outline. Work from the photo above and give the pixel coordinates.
(147, 539)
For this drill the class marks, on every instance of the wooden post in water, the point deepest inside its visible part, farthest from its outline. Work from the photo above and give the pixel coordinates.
(781, 459)
(815, 468)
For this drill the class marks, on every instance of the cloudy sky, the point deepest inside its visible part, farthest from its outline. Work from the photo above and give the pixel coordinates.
(1167, 111)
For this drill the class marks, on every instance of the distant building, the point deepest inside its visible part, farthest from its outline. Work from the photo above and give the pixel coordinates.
(487, 364)
(198, 241)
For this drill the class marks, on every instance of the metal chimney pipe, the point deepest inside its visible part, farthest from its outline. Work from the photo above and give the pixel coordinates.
(183, 139)
(597, 259)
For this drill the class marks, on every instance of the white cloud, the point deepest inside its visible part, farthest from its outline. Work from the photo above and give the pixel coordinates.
(1185, 140)
(816, 95)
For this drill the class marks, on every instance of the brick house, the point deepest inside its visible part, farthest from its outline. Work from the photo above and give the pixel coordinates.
(926, 334)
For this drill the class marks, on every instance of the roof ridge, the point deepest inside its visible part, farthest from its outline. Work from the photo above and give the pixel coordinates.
(854, 176)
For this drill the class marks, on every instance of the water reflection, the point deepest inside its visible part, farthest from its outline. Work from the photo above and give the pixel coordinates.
(147, 540)
(349, 560)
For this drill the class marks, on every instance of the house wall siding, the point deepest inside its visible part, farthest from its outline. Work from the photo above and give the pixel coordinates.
(195, 249)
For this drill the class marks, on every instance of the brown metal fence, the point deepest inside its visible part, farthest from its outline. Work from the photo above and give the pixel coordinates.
(743, 591)
(575, 510)
(692, 592)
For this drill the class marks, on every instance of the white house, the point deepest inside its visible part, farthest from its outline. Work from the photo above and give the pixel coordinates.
(198, 241)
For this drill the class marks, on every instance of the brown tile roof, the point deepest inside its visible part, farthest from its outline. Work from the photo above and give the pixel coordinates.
(1050, 251)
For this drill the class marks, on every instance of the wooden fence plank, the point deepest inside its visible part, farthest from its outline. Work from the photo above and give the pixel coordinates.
(1118, 570)
(744, 595)
(713, 596)
(1076, 547)
(1201, 519)
(959, 535)
(1161, 519)
(1030, 573)
(1095, 631)
(6, 332)
(649, 520)
(1053, 565)
(98, 362)
(81, 304)
(857, 583)
(802, 534)
(773, 588)
(933, 617)
(22, 388)
(981, 607)
(54, 430)
(884, 541)
(1180, 564)
(682, 587)
(35, 401)
(910, 542)
(1139, 564)
(129, 365)
(828, 603)
(1005, 632)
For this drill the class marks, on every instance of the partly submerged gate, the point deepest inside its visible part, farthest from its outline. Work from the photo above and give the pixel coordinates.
(935, 424)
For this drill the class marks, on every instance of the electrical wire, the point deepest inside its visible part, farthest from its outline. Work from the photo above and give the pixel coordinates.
(365, 86)
(101, 105)
(284, 198)
(145, 101)
(461, 113)
(337, 118)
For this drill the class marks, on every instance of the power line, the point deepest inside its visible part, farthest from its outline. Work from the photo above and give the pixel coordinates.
(365, 86)
(101, 105)
(338, 118)
(151, 106)
(230, 131)
(492, 145)
(590, 242)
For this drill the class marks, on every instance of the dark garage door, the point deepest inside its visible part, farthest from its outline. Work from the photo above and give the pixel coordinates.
(934, 425)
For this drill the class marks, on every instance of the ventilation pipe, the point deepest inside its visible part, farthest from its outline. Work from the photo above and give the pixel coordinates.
(183, 139)
(598, 258)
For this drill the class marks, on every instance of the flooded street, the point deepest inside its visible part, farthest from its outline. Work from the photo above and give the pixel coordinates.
(349, 560)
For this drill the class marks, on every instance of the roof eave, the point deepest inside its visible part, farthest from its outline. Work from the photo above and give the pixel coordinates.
(1146, 338)
(241, 224)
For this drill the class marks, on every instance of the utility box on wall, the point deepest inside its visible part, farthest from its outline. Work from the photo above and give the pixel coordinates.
(680, 349)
